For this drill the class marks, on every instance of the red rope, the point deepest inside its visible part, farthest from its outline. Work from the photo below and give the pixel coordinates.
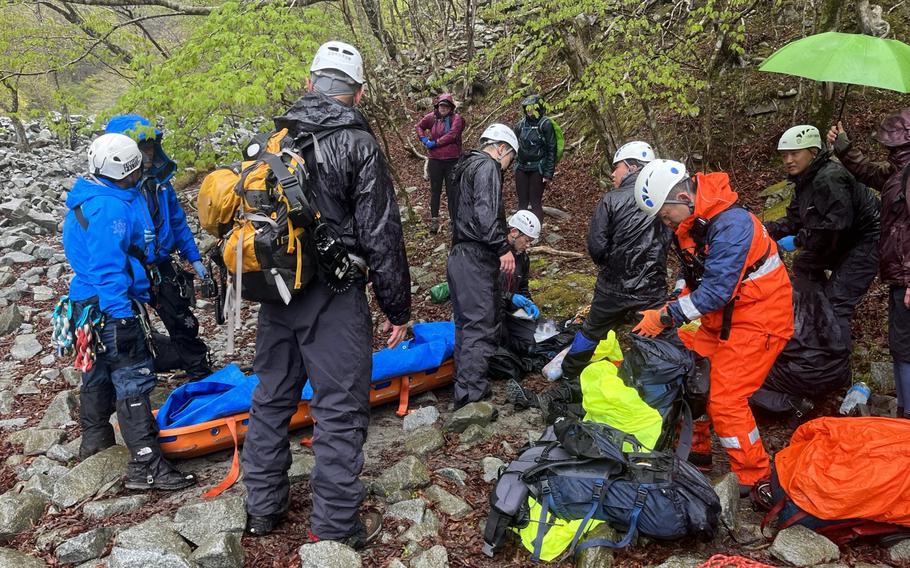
(721, 561)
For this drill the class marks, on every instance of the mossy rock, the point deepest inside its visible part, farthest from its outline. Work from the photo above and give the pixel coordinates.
(562, 293)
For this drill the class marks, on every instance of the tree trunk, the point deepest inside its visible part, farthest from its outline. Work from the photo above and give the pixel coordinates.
(469, 7)
(374, 17)
(13, 110)
(828, 20)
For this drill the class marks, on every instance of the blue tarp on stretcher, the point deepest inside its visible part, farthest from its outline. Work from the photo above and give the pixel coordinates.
(229, 391)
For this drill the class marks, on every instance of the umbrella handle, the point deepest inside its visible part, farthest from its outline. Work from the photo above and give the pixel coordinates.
(843, 103)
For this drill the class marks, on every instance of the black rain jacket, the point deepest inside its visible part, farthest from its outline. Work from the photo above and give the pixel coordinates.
(478, 212)
(629, 247)
(356, 195)
(830, 213)
(536, 146)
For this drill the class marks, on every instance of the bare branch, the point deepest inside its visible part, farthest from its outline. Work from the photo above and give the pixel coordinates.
(181, 9)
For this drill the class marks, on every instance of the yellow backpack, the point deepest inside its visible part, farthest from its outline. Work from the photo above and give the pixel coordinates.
(261, 211)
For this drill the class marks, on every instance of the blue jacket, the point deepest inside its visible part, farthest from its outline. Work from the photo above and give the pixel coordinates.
(159, 197)
(100, 254)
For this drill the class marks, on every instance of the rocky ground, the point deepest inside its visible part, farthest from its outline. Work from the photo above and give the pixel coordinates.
(429, 474)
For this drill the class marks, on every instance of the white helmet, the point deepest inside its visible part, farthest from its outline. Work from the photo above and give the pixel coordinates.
(500, 133)
(114, 156)
(339, 56)
(800, 137)
(637, 150)
(526, 222)
(654, 183)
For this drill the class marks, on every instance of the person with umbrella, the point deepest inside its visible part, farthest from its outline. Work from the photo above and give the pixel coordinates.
(832, 219)
(891, 178)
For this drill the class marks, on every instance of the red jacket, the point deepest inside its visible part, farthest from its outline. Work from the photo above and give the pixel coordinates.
(445, 131)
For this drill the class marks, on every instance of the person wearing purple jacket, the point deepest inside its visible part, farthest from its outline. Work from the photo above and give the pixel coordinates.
(440, 131)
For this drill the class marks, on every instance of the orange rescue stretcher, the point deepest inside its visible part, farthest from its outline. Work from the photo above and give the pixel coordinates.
(228, 432)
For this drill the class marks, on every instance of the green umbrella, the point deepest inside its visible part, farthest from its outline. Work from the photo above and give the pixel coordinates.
(854, 59)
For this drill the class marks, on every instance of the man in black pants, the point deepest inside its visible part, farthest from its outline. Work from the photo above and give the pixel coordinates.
(172, 287)
(323, 335)
(536, 161)
(480, 251)
(631, 250)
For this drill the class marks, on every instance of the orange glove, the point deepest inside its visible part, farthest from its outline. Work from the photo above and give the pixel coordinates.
(653, 322)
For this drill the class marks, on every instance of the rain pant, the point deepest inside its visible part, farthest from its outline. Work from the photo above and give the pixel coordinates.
(630, 249)
(327, 338)
(849, 468)
(734, 243)
(835, 220)
(473, 276)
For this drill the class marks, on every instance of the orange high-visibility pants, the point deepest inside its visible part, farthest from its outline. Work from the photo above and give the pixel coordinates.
(739, 366)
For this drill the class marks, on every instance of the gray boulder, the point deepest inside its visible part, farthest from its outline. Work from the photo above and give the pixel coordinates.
(328, 554)
(424, 440)
(10, 319)
(152, 543)
(457, 475)
(59, 412)
(480, 413)
(198, 521)
(41, 485)
(451, 505)
(221, 550)
(428, 527)
(436, 557)
(16, 257)
(682, 561)
(598, 556)
(882, 375)
(426, 416)
(301, 467)
(410, 510)
(475, 434)
(25, 347)
(85, 546)
(91, 476)
(900, 552)
(10, 558)
(409, 473)
(111, 507)
(727, 489)
(800, 546)
(491, 467)
(19, 512)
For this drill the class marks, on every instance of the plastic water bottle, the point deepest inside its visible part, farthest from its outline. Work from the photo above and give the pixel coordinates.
(858, 394)
(553, 370)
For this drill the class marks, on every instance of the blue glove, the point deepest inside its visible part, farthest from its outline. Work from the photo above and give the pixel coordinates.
(527, 305)
(200, 269)
(148, 236)
(424, 140)
(787, 243)
(430, 144)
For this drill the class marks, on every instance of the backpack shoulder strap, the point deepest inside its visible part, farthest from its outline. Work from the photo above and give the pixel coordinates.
(80, 217)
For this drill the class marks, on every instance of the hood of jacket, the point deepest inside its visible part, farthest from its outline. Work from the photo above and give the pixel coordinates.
(713, 196)
(315, 112)
(447, 97)
(899, 157)
(163, 167)
(87, 188)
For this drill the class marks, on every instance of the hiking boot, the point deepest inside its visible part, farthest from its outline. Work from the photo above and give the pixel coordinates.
(434, 225)
(519, 397)
(148, 469)
(95, 408)
(261, 526)
(370, 527)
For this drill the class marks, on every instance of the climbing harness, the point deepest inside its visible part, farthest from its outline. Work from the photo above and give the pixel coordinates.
(62, 336)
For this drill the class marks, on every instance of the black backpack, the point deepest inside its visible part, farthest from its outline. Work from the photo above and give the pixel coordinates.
(578, 470)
